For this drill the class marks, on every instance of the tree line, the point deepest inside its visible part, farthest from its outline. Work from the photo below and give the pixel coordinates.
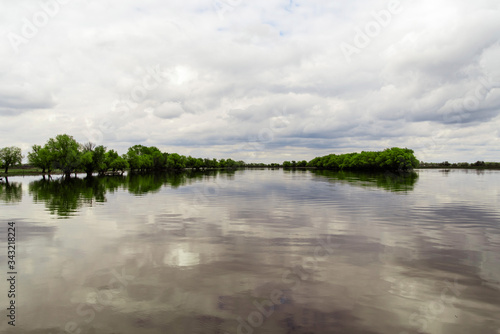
(393, 159)
(64, 153)
(475, 165)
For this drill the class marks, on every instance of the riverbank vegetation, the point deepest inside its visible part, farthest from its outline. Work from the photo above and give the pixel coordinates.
(64, 155)
(392, 159)
(10, 156)
(474, 165)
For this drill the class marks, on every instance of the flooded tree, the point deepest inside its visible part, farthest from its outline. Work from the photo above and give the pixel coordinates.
(393, 159)
(41, 157)
(65, 153)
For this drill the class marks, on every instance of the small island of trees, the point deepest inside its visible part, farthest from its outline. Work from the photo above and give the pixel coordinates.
(392, 159)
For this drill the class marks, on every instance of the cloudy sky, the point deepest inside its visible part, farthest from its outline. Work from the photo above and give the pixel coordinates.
(261, 80)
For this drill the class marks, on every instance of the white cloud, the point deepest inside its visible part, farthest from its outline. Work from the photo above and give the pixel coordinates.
(169, 110)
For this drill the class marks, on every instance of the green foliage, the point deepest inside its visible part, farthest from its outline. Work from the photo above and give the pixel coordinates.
(176, 161)
(41, 158)
(302, 163)
(99, 159)
(390, 159)
(479, 164)
(475, 165)
(10, 156)
(93, 159)
(231, 164)
(119, 164)
(86, 162)
(143, 158)
(210, 163)
(65, 153)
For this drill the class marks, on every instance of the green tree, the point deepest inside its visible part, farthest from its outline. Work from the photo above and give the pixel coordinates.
(110, 156)
(478, 163)
(302, 163)
(119, 164)
(93, 158)
(397, 159)
(133, 159)
(65, 152)
(390, 159)
(159, 159)
(176, 161)
(230, 163)
(41, 158)
(10, 156)
(99, 159)
(143, 158)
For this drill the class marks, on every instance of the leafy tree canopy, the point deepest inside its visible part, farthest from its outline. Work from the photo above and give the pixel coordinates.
(10, 156)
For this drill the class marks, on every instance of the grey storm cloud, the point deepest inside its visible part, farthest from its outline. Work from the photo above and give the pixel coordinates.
(261, 80)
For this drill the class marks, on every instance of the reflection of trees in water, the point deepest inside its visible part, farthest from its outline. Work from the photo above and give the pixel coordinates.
(64, 197)
(10, 192)
(139, 184)
(392, 181)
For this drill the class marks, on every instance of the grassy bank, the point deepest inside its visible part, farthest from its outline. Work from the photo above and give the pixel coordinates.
(21, 171)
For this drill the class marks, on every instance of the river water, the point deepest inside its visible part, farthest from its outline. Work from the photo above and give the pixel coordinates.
(254, 251)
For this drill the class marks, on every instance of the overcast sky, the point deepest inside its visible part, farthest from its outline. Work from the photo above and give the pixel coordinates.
(260, 80)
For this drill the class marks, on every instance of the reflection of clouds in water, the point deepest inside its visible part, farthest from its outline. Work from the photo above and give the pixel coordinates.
(391, 256)
(181, 258)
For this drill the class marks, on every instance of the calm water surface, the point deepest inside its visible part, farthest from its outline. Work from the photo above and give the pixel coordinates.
(255, 251)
